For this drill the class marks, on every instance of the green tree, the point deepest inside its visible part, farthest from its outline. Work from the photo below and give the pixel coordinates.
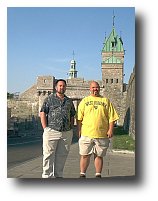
(9, 95)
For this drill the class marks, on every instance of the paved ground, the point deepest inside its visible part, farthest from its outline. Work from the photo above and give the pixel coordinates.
(116, 164)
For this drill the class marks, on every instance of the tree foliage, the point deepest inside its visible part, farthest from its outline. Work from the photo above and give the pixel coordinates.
(10, 95)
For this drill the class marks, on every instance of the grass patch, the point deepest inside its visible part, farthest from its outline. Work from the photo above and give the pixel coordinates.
(121, 140)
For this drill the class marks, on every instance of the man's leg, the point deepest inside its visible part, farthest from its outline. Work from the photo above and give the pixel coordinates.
(84, 163)
(62, 152)
(98, 163)
(49, 148)
(60, 159)
(100, 149)
(85, 150)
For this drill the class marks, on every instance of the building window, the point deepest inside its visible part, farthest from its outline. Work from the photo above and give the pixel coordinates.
(44, 80)
(111, 81)
(116, 80)
(106, 81)
(113, 44)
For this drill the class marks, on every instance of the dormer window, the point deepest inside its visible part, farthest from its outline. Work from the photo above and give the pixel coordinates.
(113, 44)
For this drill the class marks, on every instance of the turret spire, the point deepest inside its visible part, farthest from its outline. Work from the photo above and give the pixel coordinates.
(73, 55)
(73, 71)
(113, 17)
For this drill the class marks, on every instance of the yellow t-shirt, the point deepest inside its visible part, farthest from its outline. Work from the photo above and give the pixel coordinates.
(96, 113)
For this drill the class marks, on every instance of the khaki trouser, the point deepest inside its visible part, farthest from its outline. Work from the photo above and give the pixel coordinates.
(97, 146)
(56, 146)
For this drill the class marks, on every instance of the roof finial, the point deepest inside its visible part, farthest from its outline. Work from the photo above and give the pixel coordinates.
(105, 35)
(104, 39)
(73, 54)
(113, 23)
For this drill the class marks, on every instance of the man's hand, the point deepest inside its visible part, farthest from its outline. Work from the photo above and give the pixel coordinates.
(110, 131)
(43, 120)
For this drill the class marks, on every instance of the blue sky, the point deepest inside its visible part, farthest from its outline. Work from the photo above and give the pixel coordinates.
(40, 41)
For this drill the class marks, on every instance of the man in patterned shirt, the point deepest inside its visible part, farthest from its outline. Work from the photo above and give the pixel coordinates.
(57, 119)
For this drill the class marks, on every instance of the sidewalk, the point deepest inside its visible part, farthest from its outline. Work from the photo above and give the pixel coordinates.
(116, 164)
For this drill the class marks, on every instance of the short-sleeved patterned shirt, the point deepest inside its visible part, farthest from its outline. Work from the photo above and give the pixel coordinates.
(59, 112)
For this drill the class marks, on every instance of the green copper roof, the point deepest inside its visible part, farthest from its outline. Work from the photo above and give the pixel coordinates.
(113, 43)
(112, 60)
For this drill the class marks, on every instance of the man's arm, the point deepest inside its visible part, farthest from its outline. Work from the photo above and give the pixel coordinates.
(43, 119)
(110, 131)
(72, 122)
(79, 125)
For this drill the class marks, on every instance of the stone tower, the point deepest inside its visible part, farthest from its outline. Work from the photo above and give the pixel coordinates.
(112, 68)
(45, 86)
(73, 71)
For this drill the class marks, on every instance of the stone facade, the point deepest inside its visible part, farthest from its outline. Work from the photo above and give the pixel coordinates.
(23, 109)
(129, 118)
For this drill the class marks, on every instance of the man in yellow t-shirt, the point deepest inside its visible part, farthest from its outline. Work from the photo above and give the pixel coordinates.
(96, 118)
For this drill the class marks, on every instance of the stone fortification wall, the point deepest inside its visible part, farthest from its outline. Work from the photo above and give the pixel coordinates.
(8, 117)
(26, 105)
(30, 102)
(23, 108)
(79, 88)
(116, 96)
(129, 120)
(30, 94)
(119, 103)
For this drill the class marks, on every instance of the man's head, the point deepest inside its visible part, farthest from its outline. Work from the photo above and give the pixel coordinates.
(60, 86)
(94, 88)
